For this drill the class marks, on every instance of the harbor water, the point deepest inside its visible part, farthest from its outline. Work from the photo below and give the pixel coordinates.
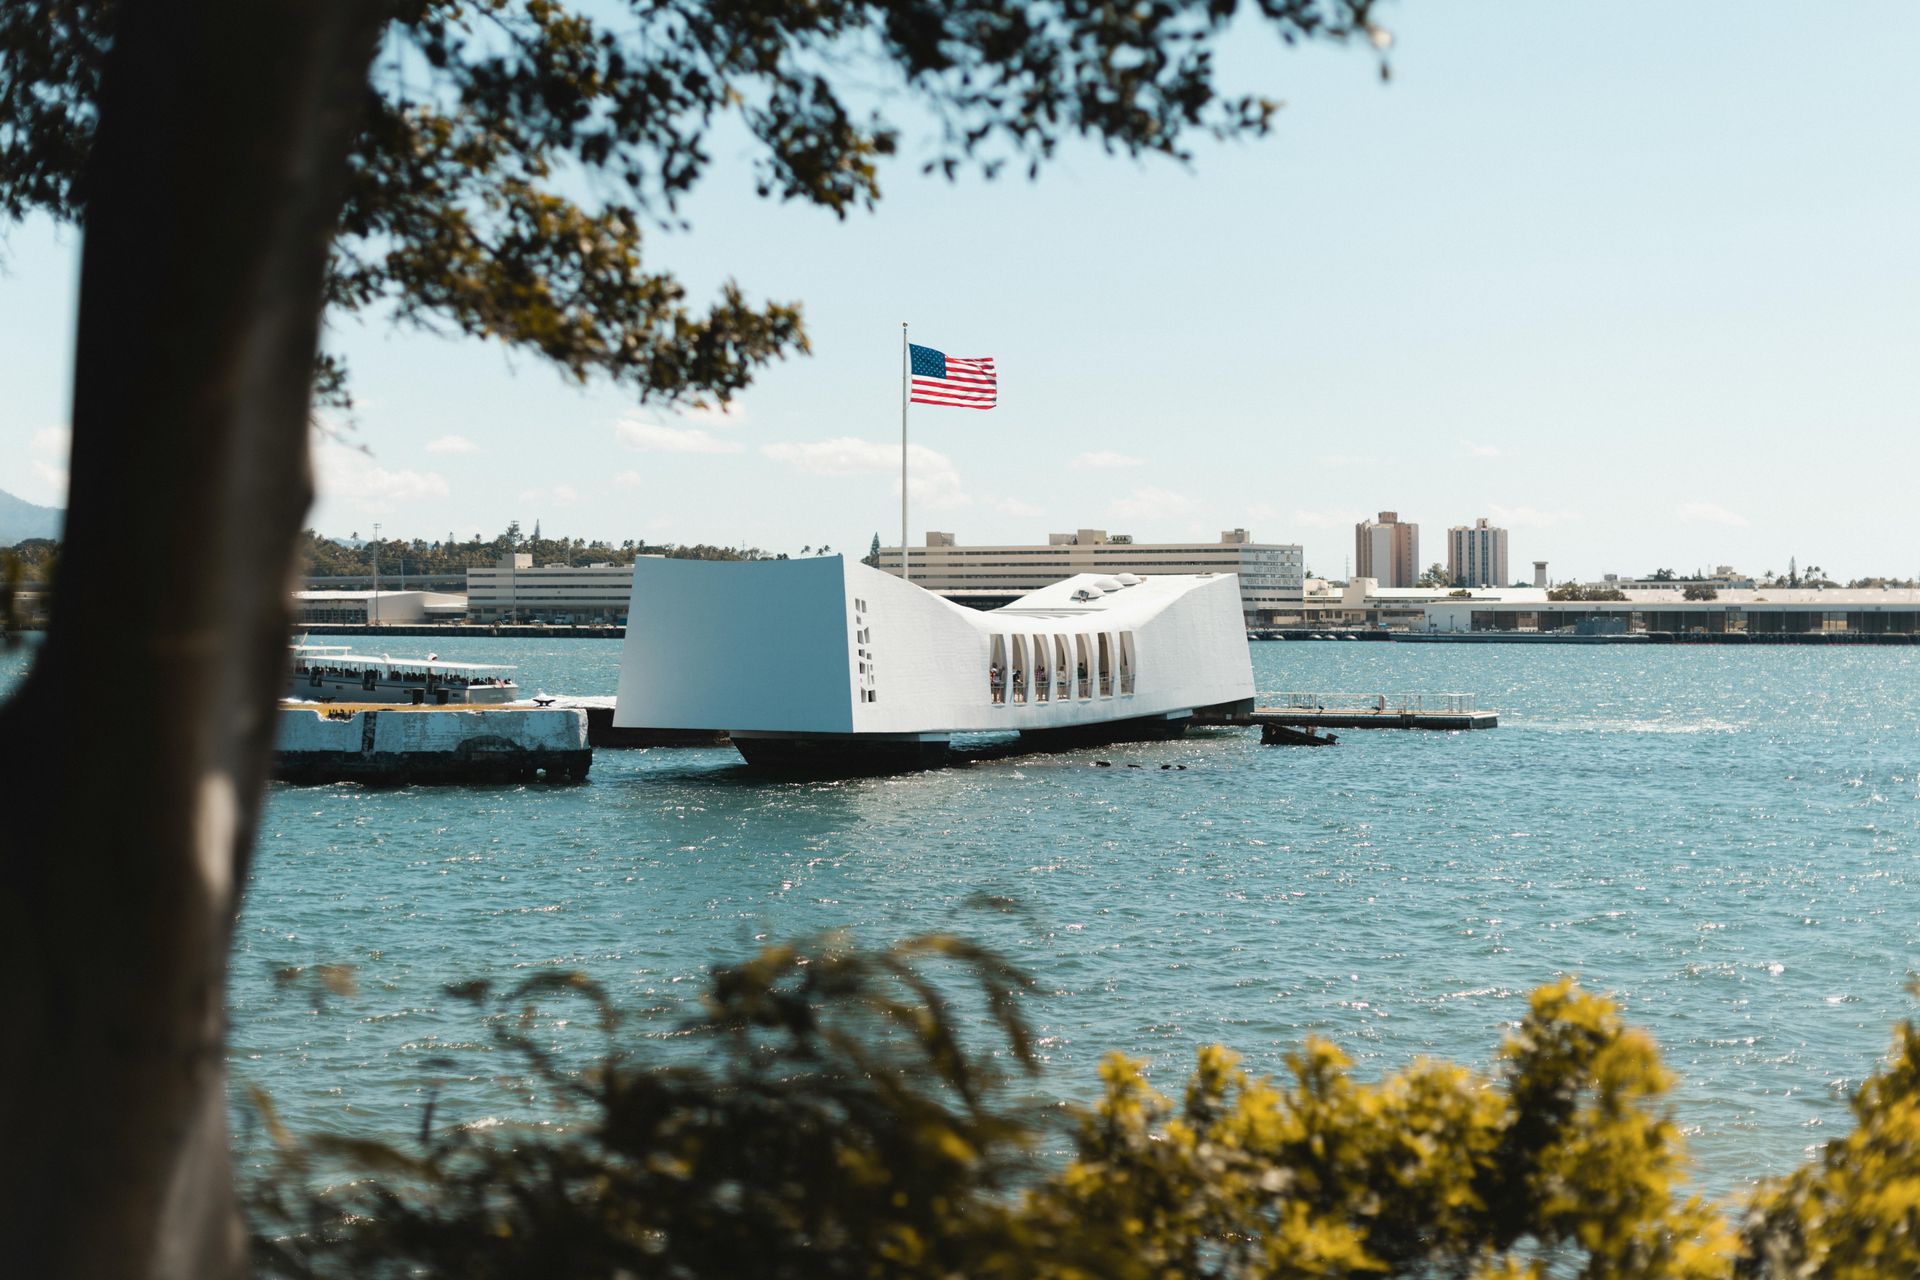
(1728, 840)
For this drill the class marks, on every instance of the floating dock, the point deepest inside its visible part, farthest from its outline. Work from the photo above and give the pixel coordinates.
(1438, 711)
(398, 745)
(1273, 734)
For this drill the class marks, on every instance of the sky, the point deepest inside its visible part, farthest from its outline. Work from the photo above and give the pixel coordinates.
(1639, 282)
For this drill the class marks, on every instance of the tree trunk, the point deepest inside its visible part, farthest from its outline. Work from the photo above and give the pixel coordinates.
(135, 754)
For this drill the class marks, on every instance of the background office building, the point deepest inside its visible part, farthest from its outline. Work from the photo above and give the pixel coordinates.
(1477, 555)
(1272, 575)
(1387, 550)
(514, 590)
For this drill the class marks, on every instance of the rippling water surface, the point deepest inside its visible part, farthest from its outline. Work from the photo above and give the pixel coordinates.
(1726, 839)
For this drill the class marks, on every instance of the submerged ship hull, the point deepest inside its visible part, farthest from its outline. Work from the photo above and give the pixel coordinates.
(827, 754)
(1138, 729)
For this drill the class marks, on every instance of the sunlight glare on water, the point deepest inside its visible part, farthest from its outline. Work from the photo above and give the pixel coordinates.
(1724, 838)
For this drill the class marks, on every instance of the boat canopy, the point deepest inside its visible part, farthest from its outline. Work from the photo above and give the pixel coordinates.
(435, 664)
(342, 656)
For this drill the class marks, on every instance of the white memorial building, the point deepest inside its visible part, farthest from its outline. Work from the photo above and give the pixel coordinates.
(827, 664)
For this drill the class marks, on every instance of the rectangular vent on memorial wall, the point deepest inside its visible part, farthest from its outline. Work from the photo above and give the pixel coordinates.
(862, 638)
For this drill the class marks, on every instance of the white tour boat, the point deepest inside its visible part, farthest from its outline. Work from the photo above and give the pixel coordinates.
(333, 673)
(828, 664)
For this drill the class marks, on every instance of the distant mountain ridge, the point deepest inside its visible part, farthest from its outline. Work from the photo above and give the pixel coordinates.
(20, 520)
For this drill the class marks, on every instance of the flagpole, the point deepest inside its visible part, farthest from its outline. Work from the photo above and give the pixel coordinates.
(906, 367)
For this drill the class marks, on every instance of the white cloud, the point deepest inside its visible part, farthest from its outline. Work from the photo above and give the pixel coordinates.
(1480, 450)
(352, 476)
(452, 444)
(1710, 513)
(1150, 501)
(845, 456)
(1527, 517)
(1015, 507)
(932, 477)
(48, 455)
(936, 487)
(1323, 520)
(652, 437)
(1106, 460)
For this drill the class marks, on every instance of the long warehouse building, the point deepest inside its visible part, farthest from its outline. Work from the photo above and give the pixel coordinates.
(1272, 575)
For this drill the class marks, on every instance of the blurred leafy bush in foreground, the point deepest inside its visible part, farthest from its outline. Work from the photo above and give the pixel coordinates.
(829, 1117)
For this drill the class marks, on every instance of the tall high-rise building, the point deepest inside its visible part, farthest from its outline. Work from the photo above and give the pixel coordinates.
(1387, 550)
(1477, 555)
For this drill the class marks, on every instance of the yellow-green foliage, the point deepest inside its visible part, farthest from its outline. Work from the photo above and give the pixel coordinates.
(1559, 1155)
(840, 1127)
(1852, 1213)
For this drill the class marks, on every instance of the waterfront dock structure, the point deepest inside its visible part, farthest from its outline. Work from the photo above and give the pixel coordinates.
(396, 745)
(1442, 711)
(1734, 615)
(825, 664)
(1360, 608)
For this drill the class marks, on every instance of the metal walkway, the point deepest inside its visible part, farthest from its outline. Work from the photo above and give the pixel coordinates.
(1442, 711)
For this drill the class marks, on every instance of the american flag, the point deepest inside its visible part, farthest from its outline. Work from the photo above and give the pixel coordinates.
(939, 378)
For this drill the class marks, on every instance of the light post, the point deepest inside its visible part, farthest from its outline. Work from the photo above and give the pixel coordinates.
(376, 573)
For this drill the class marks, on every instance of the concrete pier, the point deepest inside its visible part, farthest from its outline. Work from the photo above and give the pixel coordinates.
(395, 746)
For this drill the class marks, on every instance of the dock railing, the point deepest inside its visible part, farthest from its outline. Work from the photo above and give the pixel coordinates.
(1378, 703)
